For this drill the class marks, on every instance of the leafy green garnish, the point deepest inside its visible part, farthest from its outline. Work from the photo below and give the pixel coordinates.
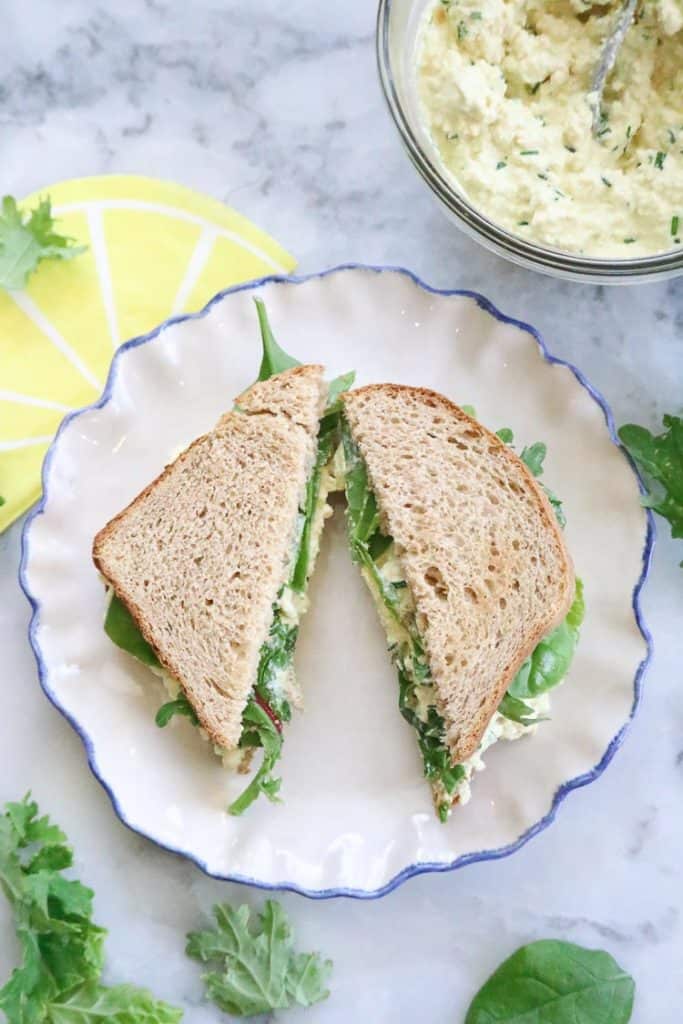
(336, 389)
(274, 359)
(551, 659)
(552, 982)
(58, 981)
(121, 628)
(259, 730)
(533, 458)
(28, 238)
(517, 711)
(660, 457)
(256, 968)
(180, 706)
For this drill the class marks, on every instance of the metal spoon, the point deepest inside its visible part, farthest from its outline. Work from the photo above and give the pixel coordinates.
(610, 52)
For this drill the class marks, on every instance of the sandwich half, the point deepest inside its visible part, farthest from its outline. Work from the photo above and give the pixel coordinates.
(465, 558)
(208, 567)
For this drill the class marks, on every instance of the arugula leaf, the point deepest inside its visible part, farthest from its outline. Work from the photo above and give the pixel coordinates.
(660, 457)
(61, 947)
(555, 983)
(26, 239)
(533, 457)
(256, 967)
(551, 659)
(274, 359)
(121, 628)
(259, 731)
(276, 654)
(179, 706)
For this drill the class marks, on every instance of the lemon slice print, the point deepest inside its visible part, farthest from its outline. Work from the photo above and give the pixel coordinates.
(154, 249)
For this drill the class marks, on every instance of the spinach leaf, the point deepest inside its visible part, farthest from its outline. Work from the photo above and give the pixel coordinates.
(259, 730)
(660, 457)
(336, 388)
(121, 628)
(299, 576)
(274, 359)
(549, 663)
(179, 706)
(517, 711)
(552, 982)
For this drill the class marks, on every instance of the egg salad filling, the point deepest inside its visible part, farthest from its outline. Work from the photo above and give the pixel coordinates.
(504, 89)
(526, 702)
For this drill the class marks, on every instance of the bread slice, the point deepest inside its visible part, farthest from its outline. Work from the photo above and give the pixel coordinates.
(199, 556)
(478, 542)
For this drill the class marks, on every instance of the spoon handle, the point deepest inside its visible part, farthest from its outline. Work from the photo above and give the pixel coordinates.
(610, 52)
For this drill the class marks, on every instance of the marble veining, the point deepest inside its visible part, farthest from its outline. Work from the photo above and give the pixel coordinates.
(277, 110)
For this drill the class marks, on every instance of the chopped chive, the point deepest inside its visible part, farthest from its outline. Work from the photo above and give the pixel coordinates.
(533, 89)
(659, 160)
(675, 221)
(523, 223)
(463, 31)
(605, 181)
(628, 132)
(500, 165)
(604, 131)
(451, 136)
(476, 16)
(672, 137)
(543, 177)
(528, 152)
(629, 241)
(570, 149)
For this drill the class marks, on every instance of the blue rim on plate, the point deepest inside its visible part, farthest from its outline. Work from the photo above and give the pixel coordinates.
(413, 869)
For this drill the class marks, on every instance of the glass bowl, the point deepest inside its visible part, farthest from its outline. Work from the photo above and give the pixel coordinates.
(398, 22)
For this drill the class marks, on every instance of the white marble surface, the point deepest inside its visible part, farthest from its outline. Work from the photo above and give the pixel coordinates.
(277, 110)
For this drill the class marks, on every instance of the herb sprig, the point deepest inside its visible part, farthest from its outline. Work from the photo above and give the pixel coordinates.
(28, 238)
(660, 458)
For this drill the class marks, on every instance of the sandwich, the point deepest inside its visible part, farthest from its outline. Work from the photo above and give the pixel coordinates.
(208, 568)
(463, 552)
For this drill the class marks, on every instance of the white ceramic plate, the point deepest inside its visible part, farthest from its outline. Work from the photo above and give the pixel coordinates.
(357, 816)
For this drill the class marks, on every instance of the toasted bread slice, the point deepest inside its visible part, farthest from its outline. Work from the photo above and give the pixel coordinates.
(478, 542)
(199, 556)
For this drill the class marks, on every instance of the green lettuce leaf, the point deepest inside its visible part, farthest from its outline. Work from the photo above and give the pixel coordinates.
(255, 969)
(61, 947)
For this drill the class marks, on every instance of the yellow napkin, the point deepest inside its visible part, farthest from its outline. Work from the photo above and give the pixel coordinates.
(154, 249)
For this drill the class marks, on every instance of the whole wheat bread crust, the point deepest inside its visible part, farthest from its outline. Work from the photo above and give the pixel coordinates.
(436, 601)
(259, 435)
